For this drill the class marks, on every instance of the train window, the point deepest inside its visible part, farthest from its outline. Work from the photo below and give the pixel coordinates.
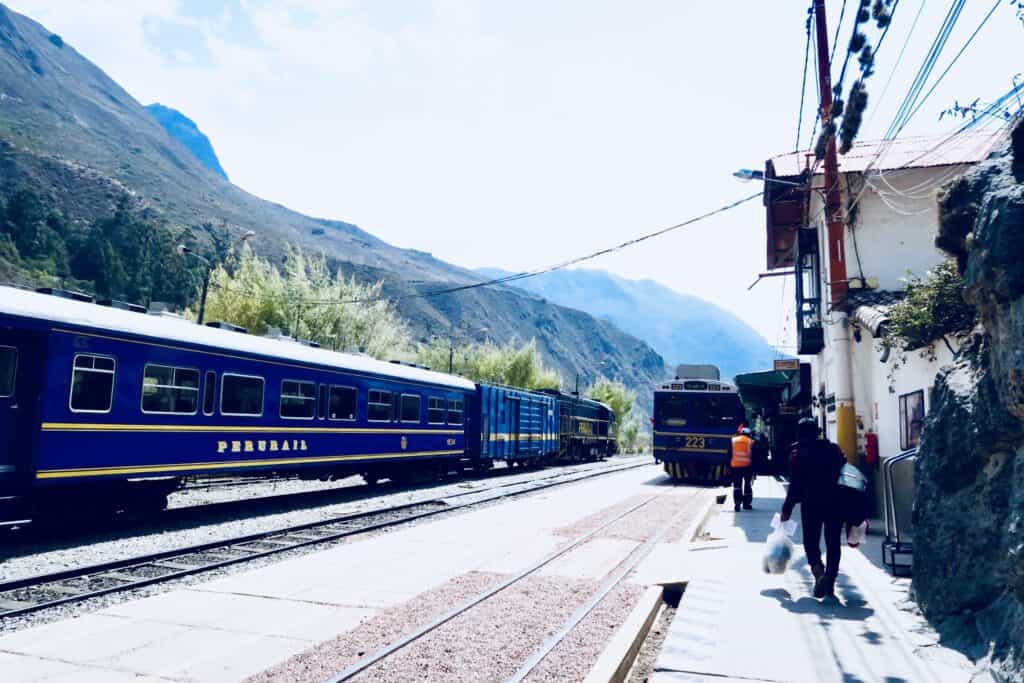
(298, 400)
(410, 408)
(435, 410)
(92, 384)
(8, 369)
(322, 402)
(167, 389)
(209, 397)
(343, 403)
(455, 411)
(378, 406)
(241, 395)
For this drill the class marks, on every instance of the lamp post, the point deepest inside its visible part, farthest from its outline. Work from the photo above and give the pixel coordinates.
(451, 345)
(185, 251)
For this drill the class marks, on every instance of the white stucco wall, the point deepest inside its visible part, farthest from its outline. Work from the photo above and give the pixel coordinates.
(895, 233)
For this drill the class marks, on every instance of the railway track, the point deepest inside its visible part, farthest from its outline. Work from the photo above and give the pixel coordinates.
(35, 593)
(613, 579)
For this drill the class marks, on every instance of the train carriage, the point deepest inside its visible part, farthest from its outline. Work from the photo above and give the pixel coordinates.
(694, 422)
(515, 425)
(101, 407)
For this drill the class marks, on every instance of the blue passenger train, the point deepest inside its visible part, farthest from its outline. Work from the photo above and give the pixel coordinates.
(104, 409)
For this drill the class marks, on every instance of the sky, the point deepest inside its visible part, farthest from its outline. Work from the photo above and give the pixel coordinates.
(519, 134)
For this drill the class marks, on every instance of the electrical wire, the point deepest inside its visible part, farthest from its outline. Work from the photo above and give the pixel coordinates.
(925, 70)
(899, 58)
(525, 274)
(803, 81)
(951, 64)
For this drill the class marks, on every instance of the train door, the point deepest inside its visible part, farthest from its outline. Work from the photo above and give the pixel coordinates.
(21, 358)
(515, 427)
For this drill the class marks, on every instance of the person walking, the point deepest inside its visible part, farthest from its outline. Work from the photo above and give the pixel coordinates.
(814, 467)
(742, 465)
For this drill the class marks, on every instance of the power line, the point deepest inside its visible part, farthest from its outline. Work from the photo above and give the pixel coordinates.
(925, 70)
(899, 58)
(953, 62)
(803, 81)
(524, 274)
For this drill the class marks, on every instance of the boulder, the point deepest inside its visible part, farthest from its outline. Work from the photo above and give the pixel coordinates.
(969, 503)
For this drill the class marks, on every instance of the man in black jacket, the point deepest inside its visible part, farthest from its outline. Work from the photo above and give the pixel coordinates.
(814, 467)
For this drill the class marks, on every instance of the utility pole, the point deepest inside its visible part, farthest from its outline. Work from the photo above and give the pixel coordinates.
(846, 418)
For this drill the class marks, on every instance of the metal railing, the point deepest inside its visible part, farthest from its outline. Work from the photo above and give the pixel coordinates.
(894, 546)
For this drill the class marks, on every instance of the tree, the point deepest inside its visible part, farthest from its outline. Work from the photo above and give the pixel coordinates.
(510, 365)
(620, 399)
(934, 308)
(309, 301)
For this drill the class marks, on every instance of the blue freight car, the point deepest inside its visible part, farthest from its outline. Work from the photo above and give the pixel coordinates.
(103, 408)
(517, 426)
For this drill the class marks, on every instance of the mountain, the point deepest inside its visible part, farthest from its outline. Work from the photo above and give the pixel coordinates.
(680, 327)
(84, 145)
(184, 130)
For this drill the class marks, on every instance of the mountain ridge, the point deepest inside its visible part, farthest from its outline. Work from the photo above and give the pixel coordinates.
(184, 130)
(84, 144)
(682, 328)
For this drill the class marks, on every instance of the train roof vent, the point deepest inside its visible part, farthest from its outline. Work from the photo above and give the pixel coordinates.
(276, 333)
(221, 325)
(122, 305)
(164, 310)
(66, 294)
(310, 343)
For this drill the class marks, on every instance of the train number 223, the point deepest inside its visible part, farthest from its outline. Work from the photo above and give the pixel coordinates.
(695, 442)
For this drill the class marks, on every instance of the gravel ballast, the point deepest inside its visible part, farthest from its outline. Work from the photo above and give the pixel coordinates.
(492, 640)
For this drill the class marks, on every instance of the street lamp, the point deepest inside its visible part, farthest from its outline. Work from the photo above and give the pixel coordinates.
(185, 251)
(451, 346)
(746, 175)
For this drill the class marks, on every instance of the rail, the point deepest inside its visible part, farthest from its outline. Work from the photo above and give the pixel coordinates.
(34, 593)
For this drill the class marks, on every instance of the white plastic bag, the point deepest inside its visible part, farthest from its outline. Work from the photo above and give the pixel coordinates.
(855, 534)
(778, 550)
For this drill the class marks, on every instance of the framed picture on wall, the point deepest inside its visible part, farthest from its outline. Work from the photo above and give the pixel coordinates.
(911, 419)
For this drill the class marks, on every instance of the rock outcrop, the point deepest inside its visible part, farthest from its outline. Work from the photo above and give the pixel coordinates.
(969, 557)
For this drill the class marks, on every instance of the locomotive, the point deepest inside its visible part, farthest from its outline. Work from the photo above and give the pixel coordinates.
(695, 417)
(106, 407)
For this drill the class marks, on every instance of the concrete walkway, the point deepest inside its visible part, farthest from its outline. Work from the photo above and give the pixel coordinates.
(738, 624)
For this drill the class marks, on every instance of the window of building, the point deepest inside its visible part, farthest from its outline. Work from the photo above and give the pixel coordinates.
(911, 419)
(343, 403)
(167, 389)
(455, 411)
(435, 410)
(8, 369)
(378, 406)
(322, 402)
(92, 384)
(209, 392)
(298, 399)
(410, 408)
(241, 395)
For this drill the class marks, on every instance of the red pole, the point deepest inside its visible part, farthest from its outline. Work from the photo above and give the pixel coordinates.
(833, 197)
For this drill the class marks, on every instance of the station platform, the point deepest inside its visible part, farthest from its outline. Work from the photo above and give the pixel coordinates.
(245, 624)
(736, 623)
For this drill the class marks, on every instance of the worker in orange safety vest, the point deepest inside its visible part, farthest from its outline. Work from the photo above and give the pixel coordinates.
(742, 465)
